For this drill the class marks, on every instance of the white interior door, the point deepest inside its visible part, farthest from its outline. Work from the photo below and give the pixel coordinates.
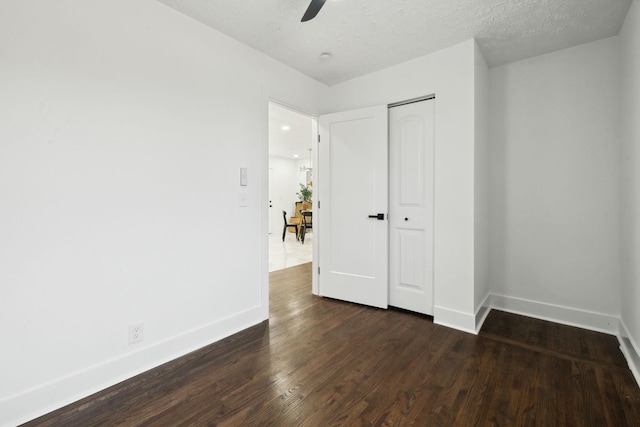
(270, 201)
(353, 181)
(411, 206)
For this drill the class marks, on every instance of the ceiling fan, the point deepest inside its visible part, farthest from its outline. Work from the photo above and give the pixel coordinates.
(312, 10)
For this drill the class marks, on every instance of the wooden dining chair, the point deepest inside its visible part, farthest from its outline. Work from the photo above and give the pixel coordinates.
(287, 225)
(307, 223)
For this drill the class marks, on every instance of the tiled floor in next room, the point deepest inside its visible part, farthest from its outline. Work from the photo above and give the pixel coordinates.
(290, 252)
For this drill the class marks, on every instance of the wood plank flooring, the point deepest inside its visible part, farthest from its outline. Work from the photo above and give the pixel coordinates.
(321, 362)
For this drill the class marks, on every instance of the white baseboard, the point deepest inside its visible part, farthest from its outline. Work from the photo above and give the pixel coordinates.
(454, 319)
(598, 322)
(33, 403)
(483, 312)
(630, 350)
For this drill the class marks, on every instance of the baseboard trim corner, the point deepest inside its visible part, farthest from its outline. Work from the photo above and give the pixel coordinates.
(482, 313)
(630, 350)
(454, 319)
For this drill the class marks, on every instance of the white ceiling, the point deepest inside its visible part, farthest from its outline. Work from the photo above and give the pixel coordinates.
(365, 36)
(295, 141)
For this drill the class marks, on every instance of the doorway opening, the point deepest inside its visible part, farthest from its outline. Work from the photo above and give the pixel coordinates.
(291, 136)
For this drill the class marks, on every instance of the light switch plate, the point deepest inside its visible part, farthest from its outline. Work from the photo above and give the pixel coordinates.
(244, 179)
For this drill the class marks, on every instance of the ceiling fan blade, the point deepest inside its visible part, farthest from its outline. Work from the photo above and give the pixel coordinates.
(312, 10)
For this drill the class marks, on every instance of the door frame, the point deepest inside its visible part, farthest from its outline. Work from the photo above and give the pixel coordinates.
(264, 191)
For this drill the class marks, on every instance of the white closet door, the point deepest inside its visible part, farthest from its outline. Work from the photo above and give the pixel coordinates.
(411, 149)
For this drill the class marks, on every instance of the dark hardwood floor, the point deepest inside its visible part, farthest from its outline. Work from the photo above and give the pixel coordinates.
(321, 362)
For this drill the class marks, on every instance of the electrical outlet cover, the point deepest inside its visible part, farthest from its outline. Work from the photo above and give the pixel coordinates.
(136, 332)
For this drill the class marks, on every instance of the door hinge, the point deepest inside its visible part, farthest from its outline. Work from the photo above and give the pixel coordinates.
(318, 137)
(318, 270)
(318, 204)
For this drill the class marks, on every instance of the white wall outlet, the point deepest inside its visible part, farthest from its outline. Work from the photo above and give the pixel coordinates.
(136, 332)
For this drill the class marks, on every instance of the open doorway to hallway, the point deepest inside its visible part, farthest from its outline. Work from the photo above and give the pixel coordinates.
(291, 135)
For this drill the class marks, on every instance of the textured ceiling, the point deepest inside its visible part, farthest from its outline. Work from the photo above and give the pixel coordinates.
(365, 36)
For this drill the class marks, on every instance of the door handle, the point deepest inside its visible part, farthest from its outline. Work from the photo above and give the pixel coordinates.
(379, 216)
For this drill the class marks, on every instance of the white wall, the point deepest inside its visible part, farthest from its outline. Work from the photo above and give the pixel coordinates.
(555, 202)
(123, 127)
(481, 183)
(630, 183)
(450, 75)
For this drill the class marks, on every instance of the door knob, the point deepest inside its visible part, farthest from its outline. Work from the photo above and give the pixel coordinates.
(406, 219)
(379, 217)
